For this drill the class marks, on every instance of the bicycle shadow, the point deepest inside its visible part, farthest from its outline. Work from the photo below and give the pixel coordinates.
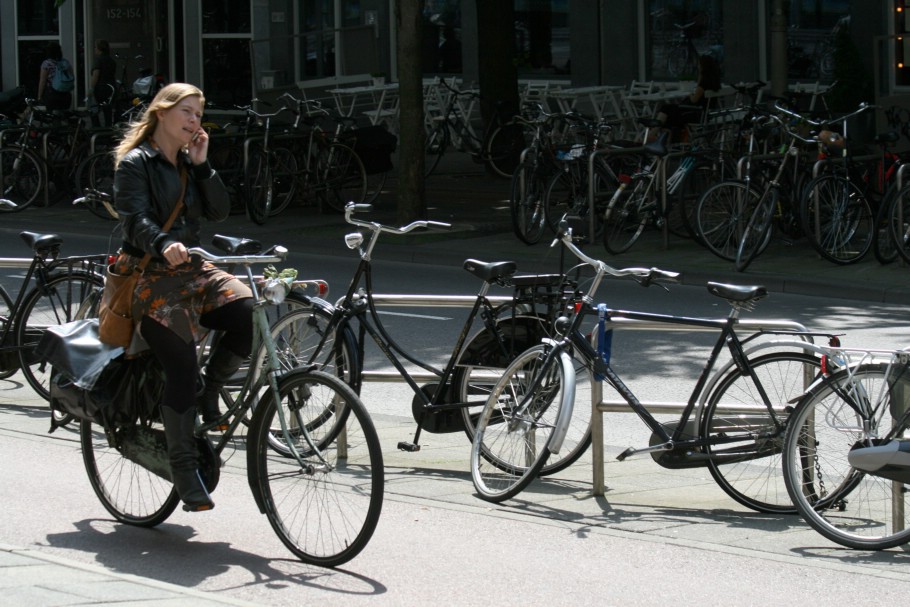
(150, 553)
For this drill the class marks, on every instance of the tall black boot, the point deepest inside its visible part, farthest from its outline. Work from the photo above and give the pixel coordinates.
(184, 458)
(221, 366)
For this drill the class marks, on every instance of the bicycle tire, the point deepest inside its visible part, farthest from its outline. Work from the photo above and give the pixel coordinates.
(684, 206)
(837, 219)
(845, 505)
(284, 178)
(131, 493)
(567, 194)
(324, 517)
(511, 445)
(57, 302)
(9, 360)
(900, 223)
(757, 232)
(503, 149)
(883, 245)
(260, 189)
(627, 214)
(435, 146)
(22, 177)
(749, 470)
(526, 203)
(341, 176)
(721, 215)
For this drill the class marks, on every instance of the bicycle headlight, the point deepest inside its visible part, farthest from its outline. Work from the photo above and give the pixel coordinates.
(274, 291)
(353, 240)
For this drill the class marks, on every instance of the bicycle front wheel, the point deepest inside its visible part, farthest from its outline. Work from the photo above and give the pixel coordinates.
(512, 437)
(526, 203)
(837, 219)
(58, 301)
(627, 215)
(342, 176)
(504, 148)
(742, 438)
(853, 408)
(722, 213)
(435, 147)
(96, 172)
(9, 360)
(22, 176)
(757, 233)
(130, 492)
(325, 507)
(260, 190)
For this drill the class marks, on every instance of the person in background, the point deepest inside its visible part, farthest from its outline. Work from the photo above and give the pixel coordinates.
(53, 99)
(178, 298)
(103, 83)
(676, 117)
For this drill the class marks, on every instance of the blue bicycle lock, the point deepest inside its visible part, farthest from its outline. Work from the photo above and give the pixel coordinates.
(604, 338)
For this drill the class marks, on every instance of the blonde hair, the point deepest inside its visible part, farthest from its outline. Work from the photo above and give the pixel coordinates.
(166, 98)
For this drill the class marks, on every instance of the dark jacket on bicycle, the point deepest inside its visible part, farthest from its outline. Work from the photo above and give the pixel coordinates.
(146, 187)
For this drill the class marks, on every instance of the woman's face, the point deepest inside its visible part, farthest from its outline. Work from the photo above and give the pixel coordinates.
(180, 123)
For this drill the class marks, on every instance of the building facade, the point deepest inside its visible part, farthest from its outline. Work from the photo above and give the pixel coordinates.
(234, 50)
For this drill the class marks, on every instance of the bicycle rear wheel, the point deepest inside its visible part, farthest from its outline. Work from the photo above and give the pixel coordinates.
(326, 510)
(852, 508)
(22, 177)
(130, 492)
(883, 245)
(96, 172)
(513, 433)
(743, 441)
(57, 302)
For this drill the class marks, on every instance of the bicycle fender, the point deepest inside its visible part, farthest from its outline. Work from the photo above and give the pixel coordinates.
(565, 415)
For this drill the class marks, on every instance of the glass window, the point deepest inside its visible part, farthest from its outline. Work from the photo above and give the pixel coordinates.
(37, 18)
(680, 31)
(542, 36)
(226, 70)
(219, 17)
(812, 28)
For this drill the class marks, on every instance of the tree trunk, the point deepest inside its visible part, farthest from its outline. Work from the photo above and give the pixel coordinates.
(411, 134)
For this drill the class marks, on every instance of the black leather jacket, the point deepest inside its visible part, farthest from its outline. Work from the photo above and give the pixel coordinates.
(146, 188)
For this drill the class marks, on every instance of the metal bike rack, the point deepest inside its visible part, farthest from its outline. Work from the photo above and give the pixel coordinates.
(599, 406)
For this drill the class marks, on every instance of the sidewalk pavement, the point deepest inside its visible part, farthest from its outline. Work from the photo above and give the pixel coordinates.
(477, 206)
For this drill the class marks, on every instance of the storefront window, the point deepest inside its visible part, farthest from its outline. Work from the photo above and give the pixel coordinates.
(219, 17)
(37, 18)
(680, 31)
(542, 36)
(812, 28)
(226, 33)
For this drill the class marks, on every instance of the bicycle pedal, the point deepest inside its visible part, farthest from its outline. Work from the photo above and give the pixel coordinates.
(406, 446)
(626, 453)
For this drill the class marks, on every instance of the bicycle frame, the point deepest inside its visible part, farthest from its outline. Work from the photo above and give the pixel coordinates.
(254, 382)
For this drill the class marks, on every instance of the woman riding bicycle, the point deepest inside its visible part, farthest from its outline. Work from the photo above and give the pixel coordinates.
(162, 158)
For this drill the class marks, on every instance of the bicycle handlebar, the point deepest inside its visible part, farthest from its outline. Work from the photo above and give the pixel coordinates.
(644, 276)
(7, 203)
(353, 207)
(274, 255)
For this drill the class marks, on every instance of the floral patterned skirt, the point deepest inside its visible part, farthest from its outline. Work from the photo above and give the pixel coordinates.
(177, 296)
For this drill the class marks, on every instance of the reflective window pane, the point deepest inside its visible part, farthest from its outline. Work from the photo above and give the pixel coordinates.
(219, 17)
(37, 18)
(680, 31)
(226, 70)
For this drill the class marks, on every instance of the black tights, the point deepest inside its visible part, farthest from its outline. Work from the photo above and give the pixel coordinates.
(178, 358)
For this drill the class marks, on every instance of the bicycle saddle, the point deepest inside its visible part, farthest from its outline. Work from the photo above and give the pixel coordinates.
(492, 271)
(236, 246)
(658, 147)
(41, 242)
(737, 292)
